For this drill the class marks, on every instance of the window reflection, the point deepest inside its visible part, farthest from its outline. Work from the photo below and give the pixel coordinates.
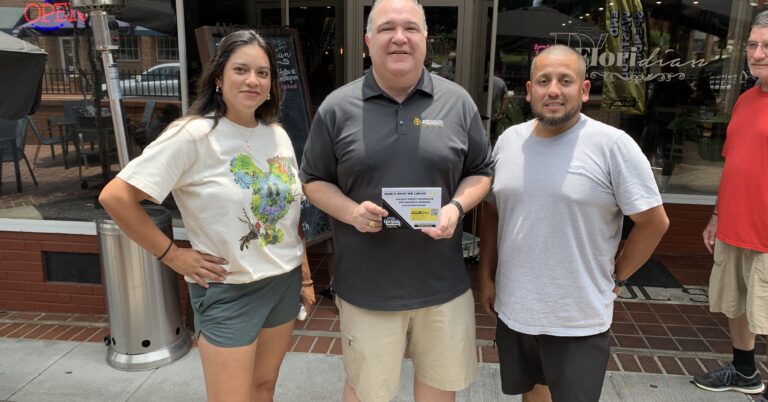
(686, 80)
(442, 22)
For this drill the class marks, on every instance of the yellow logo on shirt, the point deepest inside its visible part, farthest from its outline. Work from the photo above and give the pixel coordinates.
(417, 121)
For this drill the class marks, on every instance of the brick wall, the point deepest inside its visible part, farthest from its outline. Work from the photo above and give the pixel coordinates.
(23, 286)
(13, 3)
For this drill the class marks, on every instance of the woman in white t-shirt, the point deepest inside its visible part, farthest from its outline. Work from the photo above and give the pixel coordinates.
(233, 174)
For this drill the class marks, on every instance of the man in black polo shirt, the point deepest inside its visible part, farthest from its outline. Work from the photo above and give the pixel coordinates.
(399, 126)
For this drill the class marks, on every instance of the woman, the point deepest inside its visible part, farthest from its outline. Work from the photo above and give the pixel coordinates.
(234, 177)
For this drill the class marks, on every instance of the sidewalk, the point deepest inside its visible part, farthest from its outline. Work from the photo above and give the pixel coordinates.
(40, 371)
(658, 342)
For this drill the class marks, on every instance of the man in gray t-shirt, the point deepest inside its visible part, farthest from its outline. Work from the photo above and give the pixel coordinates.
(562, 184)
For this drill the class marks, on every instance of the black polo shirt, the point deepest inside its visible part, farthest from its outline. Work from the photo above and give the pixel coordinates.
(362, 140)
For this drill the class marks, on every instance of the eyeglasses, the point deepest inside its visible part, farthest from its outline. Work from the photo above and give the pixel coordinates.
(752, 46)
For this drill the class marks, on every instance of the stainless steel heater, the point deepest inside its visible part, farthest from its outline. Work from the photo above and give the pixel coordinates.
(142, 294)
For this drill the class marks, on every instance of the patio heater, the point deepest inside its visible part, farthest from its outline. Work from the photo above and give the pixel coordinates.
(145, 324)
(102, 22)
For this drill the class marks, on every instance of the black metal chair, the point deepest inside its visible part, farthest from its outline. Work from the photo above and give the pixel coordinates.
(13, 137)
(64, 138)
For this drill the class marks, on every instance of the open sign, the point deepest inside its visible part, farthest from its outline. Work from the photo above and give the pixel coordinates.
(52, 13)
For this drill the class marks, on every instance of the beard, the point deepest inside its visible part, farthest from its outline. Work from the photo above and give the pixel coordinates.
(556, 120)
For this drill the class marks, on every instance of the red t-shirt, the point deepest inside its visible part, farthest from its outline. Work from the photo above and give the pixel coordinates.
(742, 204)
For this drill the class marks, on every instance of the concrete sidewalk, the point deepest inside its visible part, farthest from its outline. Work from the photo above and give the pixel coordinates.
(39, 371)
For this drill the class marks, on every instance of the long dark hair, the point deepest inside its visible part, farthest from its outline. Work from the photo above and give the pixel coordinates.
(209, 101)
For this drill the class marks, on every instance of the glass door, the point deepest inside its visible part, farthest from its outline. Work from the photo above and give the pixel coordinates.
(318, 22)
(443, 25)
(444, 19)
(457, 42)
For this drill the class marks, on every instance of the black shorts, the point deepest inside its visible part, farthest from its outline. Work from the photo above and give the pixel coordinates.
(572, 367)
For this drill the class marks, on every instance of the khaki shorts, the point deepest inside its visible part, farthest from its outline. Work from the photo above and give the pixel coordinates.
(441, 342)
(739, 285)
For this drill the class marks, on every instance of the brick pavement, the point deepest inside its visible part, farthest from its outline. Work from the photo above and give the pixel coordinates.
(55, 183)
(645, 337)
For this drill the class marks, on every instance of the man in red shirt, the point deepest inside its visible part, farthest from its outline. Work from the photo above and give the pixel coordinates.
(738, 228)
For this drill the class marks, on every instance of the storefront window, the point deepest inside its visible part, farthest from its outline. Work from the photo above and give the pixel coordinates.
(667, 73)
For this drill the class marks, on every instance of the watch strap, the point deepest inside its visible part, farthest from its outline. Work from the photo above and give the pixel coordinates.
(459, 207)
(619, 282)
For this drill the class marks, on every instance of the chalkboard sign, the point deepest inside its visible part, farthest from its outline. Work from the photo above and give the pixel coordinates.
(316, 225)
(294, 111)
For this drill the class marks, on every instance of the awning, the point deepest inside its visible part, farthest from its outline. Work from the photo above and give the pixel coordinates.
(156, 15)
(21, 77)
(10, 17)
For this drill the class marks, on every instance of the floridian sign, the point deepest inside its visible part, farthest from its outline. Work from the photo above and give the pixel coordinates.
(624, 57)
(52, 15)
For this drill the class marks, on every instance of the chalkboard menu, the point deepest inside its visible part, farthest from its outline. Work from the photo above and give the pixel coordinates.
(294, 111)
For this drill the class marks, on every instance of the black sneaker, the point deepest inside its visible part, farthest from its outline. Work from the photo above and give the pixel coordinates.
(729, 379)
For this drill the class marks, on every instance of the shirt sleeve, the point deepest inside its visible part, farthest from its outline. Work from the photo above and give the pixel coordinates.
(319, 161)
(164, 164)
(491, 197)
(634, 187)
(478, 161)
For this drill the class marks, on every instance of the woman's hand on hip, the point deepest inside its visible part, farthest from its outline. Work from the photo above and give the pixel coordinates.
(196, 265)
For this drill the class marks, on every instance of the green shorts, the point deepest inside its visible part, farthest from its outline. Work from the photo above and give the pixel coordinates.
(231, 315)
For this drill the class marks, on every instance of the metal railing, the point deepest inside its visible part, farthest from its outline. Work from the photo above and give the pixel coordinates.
(133, 83)
(63, 82)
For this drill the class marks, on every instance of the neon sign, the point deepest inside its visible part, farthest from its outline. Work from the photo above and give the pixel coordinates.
(539, 47)
(52, 15)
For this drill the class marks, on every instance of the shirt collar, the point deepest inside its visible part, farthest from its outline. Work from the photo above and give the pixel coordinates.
(371, 88)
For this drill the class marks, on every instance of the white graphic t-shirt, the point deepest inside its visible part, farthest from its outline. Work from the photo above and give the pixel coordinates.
(237, 189)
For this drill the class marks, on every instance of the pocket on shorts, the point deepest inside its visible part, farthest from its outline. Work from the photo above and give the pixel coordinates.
(348, 345)
(760, 268)
(719, 255)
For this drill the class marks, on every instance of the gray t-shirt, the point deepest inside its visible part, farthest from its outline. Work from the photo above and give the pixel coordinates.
(362, 140)
(560, 203)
